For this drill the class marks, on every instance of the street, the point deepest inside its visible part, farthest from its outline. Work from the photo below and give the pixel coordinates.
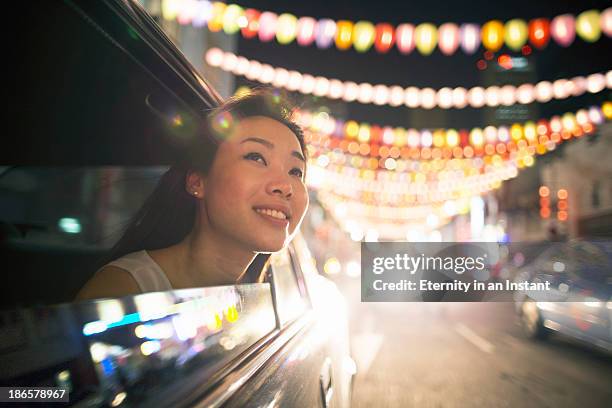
(465, 355)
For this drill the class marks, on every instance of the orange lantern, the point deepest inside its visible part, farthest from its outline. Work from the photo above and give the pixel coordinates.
(344, 34)
(493, 35)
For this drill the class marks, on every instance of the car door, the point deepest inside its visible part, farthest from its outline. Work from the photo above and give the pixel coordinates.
(301, 367)
(589, 293)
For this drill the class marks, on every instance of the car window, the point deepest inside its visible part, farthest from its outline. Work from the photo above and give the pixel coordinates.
(58, 224)
(290, 299)
(154, 349)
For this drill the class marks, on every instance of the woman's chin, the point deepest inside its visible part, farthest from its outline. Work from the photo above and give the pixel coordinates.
(270, 246)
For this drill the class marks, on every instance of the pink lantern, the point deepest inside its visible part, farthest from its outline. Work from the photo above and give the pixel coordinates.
(563, 29)
(306, 31)
(606, 21)
(469, 37)
(448, 38)
(404, 38)
(267, 26)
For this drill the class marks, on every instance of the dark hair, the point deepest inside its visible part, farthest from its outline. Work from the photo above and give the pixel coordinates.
(168, 214)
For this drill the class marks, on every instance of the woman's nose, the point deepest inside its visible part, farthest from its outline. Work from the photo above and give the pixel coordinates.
(280, 186)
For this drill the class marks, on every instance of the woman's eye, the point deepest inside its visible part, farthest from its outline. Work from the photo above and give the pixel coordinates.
(297, 172)
(255, 157)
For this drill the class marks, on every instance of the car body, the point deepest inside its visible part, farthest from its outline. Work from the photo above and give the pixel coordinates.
(579, 303)
(115, 93)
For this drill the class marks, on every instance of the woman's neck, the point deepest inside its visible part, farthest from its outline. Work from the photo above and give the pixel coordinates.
(199, 260)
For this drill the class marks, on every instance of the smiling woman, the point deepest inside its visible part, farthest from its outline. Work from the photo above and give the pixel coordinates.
(216, 210)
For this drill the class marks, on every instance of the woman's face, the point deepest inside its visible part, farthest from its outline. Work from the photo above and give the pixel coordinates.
(254, 193)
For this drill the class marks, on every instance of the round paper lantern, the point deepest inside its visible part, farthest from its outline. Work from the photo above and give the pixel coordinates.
(404, 38)
(286, 27)
(606, 21)
(267, 26)
(325, 32)
(252, 26)
(232, 13)
(426, 38)
(448, 40)
(201, 13)
(563, 29)
(306, 31)
(493, 35)
(539, 32)
(344, 34)
(215, 24)
(363, 36)
(587, 25)
(515, 34)
(385, 37)
(469, 37)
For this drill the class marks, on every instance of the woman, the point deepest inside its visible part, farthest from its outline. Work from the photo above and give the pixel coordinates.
(206, 222)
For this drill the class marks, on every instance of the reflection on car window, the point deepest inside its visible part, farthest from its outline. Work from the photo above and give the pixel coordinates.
(290, 303)
(76, 206)
(154, 349)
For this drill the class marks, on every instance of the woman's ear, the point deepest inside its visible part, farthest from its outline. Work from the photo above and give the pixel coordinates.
(194, 183)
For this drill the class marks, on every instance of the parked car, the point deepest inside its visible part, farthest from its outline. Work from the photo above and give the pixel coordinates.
(106, 102)
(579, 303)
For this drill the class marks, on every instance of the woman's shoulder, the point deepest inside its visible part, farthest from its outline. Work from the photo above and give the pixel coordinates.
(109, 281)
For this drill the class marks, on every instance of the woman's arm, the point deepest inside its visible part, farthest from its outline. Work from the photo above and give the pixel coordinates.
(109, 281)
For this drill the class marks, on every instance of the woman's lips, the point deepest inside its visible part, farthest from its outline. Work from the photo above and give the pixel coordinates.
(277, 222)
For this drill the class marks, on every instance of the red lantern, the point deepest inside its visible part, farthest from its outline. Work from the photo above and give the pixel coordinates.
(385, 37)
(539, 32)
(252, 26)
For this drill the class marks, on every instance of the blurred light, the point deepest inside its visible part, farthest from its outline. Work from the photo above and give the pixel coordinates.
(332, 266)
(371, 235)
(426, 38)
(562, 194)
(70, 225)
(404, 38)
(353, 269)
(149, 347)
(286, 28)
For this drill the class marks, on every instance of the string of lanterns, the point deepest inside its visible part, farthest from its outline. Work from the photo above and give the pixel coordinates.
(383, 200)
(381, 143)
(363, 35)
(412, 97)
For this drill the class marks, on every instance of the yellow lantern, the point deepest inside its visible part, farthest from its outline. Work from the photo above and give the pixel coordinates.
(351, 129)
(230, 18)
(170, 9)
(215, 24)
(530, 131)
(344, 34)
(286, 28)
(476, 137)
(426, 38)
(587, 25)
(516, 34)
(363, 36)
(452, 138)
(493, 35)
(516, 131)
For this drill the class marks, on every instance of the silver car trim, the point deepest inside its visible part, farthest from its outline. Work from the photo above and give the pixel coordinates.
(237, 378)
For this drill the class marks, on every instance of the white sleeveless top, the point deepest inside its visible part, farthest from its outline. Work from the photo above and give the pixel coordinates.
(146, 272)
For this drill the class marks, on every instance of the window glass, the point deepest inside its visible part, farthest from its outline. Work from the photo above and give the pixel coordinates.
(289, 301)
(154, 349)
